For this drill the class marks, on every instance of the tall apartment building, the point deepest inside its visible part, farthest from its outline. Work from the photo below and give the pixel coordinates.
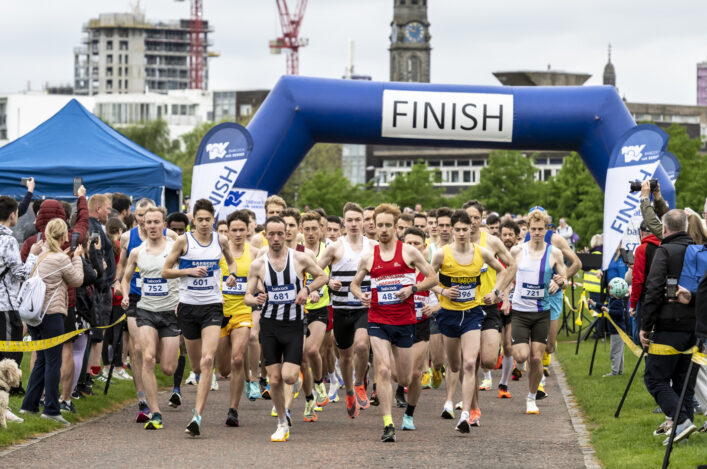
(124, 53)
(702, 84)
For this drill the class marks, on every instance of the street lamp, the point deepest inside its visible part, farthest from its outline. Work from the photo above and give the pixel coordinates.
(377, 177)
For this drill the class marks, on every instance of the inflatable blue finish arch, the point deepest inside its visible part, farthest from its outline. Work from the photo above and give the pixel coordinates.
(301, 111)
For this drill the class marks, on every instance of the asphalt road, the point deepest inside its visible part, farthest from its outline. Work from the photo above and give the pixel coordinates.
(507, 437)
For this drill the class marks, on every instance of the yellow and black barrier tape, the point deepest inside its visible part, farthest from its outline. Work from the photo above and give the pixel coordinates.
(43, 344)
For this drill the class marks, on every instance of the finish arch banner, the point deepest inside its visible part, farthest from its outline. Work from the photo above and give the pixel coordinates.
(222, 153)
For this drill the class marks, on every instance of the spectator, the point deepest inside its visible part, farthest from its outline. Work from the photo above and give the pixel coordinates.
(643, 258)
(418, 208)
(566, 232)
(618, 289)
(592, 278)
(24, 205)
(653, 213)
(57, 270)
(178, 222)
(617, 267)
(672, 324)
(130, 221)
(696, 229)
(121, 205)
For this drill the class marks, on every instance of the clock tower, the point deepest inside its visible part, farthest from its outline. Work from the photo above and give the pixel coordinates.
(410, 42)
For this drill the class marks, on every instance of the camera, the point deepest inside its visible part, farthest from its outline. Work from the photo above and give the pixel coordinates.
(636, 185)
(94, 237)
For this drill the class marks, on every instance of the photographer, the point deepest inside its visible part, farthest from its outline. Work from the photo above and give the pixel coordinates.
(653, 213)
(672, 323)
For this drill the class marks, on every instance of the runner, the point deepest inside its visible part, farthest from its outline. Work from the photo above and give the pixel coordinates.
(274, 205)
(426, 305)
(333, 229)
(235, 332)
(391, 318)
(436, 346)
(420, 221)
(350, 315)
(369, 224)
(281, 271)
(509, 236)
(128, 242)
(155, 318)
(200, 309)
(403, 222)
(460, 317)
(533, 272)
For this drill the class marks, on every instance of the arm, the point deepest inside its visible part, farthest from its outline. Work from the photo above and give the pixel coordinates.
(557, 262)
(655, 289)
(24, 205)
(74, 275)
(178, 249)
(19, 270)
(326, 260)
(415, 259)
(364, 268)
(436, 264)
(120, 268)
(89, 273)
(107, 250)
(653, 223)
(701, 310)
(97, 263)
(131, 264)
(254, 279)
(639, 266)
(171, 234)
(81, 225)
(230, 260)
(502, 278)
(561, 243)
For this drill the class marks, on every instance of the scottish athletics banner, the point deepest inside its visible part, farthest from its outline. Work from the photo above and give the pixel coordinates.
(222, 153)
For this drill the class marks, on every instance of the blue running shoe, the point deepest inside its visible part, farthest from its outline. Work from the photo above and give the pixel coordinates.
(194, 427)
(407, 423)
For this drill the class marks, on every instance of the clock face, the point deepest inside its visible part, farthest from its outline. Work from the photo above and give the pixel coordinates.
(414, 32)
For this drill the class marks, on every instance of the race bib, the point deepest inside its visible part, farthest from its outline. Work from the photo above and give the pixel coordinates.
(237, 289)
(154, 286)
(281, 294)
(202, 283)
(531, 291)
(467, 292)
(420, 301)
(352, 300)
(387, 294)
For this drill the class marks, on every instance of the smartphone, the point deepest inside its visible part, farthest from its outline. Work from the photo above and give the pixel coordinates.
(671, 289)
(78, 182)
(94, 237)
(75, 240)
(39, 237)
(24, 181)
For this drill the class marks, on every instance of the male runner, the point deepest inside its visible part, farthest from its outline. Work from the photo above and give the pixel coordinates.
(333, 228)
(350, 315)
(129, 241)
(533, 272)
(155, 318)
(426, 305)
(460, 317)
(493, 223)
(509, 236)
(391, 318)
(281, 271)
(235, 332)
(369, 224)
(200, 309)
(403, 222)
(432, 230)
(420, 221)
(274, 205)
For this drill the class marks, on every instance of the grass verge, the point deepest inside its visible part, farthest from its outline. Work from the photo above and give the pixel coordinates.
(119, 393)
(626, 441)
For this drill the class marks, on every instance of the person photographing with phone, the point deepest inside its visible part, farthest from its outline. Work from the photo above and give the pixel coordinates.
(672, 323)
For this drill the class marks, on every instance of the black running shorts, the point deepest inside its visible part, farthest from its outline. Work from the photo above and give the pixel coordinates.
(281, 341)
(346, 323)
(530, 327)
(191, 319)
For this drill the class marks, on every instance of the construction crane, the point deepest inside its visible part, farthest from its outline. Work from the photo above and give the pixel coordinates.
(290, 31)
(197, 42)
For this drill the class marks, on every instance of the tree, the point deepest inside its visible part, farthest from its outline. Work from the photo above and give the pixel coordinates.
(690, 186)
(322, 157)
(330, 190)
(507, 183)
(415, 187)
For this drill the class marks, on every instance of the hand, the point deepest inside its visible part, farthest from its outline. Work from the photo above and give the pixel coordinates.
(559, 280)
(430, 310)
(81, 192)
(553, 287)
(490, 298)
(125, 302)
(335, 284)
(198, 272)
(656, 193)
(302, 296)
(506, 308)
(451, 293)
(643, 337)
(645, 189)
(36, 248)
(105, 264)
(98, 243)
(30, 185)
(366, 299)
(230, 281)
(79, 251)
(600, 274)
(591, 302)
(632, 312)
(684, 295)
(314, 296)
(404, 293)
(260, 298)
(604, 309)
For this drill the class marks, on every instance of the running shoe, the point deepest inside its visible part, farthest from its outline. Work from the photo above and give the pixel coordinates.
(459, 405)
(407, 423)
(57, 418)
(499, 362)
(232, 418)
(249, 391)
(175, 400)
(11, 417)
(400, 397)
(531, 407)
(309, 414)
(475, 417)
(516, 374)
(485, 385)
(191, 379)
(541, 394)
(388, 434)
(155, 423)
(214, 383)
(288, 417)
(121, 374)
(436, 378)
(75, 394)
(546, 372)
(297, 386)
(281, 434)
(683, 432)
(462, 426)
(503, 392)
(374, 398)
(264, 389)
(273, 412)
(448, 411)
(351, 406)
(703, 428)
(322, 396)
(334, 392)
(194, 427)
(362, 397)
(664, 428)
(426, 380)
(67, 407)
(143, 414)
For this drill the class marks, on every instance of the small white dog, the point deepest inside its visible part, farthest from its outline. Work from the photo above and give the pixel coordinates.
(10, 377)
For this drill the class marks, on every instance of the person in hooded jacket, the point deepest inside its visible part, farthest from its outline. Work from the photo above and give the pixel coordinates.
(642, 260)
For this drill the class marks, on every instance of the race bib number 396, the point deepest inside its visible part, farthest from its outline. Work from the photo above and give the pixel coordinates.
(467, 291)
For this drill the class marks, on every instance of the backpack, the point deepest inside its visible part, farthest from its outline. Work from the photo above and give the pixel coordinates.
(32, 294)
(694, 266)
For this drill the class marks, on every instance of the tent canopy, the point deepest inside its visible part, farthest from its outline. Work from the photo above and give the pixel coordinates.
(74, 142)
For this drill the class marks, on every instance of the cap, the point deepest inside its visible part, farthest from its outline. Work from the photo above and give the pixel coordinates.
(537, 207)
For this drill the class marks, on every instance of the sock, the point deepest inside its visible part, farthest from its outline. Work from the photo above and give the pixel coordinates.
(506, 369)
(179, 372)
(350, 393)
(281, 421)
(409, 410)
(387, 420)
(547, 358)
(317, 382)
(263, 381)
(157, 415)
(449, 405)
(487, 374)
(358, 383)
(531, 395)
(333, 378)
(465, 416)
(399, 390)
(374, 386)
(141, 396)
(309, 398)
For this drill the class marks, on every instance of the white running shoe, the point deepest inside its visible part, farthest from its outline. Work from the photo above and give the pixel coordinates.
(191, 379)
(281, 434)
(334, 392)
(12, 417)
(121, 374)
(531, 406)
(214, 384)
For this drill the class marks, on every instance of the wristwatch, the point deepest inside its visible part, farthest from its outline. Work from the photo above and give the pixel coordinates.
(414, 288)
(497, 293)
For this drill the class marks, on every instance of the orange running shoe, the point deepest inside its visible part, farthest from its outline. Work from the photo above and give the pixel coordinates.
(499, 362)
(475, 417)
(361, 397)
(503, 392)
(351, 406)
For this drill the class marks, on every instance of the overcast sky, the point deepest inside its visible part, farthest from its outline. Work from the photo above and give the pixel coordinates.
(655, 46)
